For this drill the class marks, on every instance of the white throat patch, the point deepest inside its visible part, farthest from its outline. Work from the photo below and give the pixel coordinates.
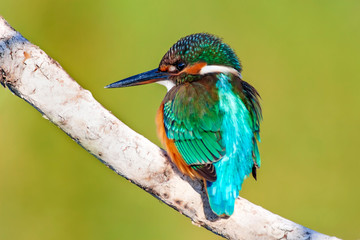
(167, 83)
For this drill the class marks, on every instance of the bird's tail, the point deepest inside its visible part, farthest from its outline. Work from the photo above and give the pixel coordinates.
(223, 192)
(221, 201)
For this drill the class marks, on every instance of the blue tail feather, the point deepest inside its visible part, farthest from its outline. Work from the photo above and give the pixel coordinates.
(223, 192)
(221, 203)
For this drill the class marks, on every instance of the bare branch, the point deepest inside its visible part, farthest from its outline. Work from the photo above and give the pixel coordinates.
(32, 75)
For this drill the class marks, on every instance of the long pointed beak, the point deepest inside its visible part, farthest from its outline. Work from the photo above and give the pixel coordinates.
(142, 78)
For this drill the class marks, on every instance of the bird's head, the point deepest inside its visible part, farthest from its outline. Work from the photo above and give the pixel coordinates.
(188, 60)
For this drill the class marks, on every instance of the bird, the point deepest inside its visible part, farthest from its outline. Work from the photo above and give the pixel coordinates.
(209, 119)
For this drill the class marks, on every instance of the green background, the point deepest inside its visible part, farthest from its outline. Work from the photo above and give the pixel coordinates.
(302, 56)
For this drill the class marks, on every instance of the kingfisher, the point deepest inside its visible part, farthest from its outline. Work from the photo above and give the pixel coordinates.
(209, 120)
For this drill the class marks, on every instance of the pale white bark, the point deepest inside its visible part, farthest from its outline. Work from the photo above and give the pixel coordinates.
(33, 76)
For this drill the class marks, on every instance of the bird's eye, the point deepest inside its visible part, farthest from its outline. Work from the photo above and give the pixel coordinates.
(180, 66)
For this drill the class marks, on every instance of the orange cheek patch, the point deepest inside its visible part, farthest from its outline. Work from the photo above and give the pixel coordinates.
(195, 69)
(164, 68)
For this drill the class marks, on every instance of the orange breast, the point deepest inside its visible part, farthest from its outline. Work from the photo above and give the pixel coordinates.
(170, 146)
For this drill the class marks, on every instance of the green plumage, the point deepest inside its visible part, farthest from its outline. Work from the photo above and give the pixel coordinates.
(193, 120)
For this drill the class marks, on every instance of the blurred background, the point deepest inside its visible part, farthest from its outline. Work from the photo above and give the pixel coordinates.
(302, 56)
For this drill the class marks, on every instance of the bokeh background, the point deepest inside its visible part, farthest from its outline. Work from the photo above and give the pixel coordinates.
(302, 56)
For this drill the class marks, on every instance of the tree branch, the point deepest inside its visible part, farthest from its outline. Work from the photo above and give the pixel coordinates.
(32, 75)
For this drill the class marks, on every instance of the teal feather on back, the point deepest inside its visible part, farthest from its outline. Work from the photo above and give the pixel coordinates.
(237, 135)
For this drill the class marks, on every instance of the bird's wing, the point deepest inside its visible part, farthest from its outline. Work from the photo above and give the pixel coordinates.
(251, 100)
(192, 120)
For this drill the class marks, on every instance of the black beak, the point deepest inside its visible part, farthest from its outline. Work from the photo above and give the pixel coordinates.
(142, 78)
